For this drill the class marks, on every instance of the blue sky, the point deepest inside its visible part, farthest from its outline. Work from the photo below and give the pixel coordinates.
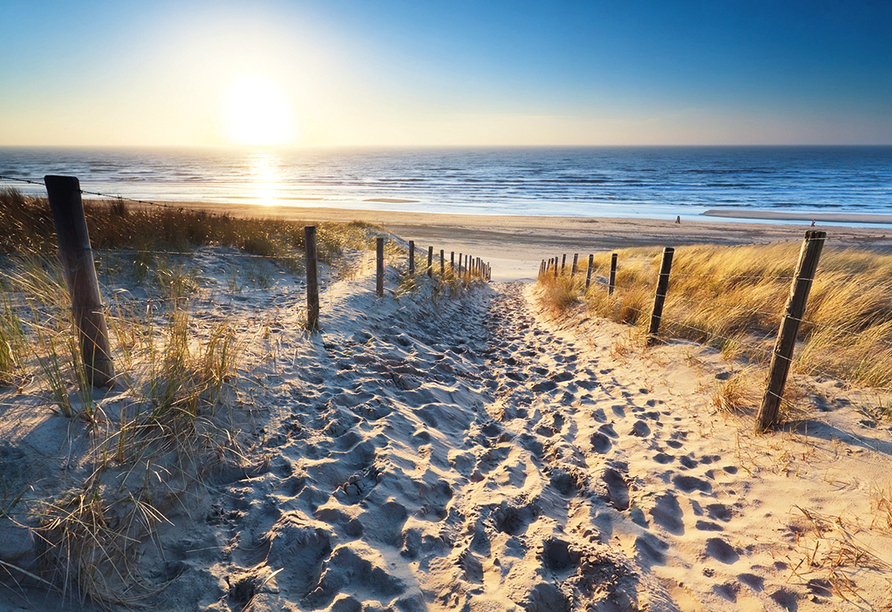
(447, 73)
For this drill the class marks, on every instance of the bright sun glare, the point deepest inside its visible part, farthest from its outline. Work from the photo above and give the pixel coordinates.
(257, 112)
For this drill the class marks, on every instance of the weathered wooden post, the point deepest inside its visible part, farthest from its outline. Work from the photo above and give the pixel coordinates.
(575, 260)
(442, 262)
(612, 281)
(556, 269)
(452, 262)
(79, 270)
(588, 274)
(459, 264)
(430, 262)
(660, 296)
(563, 263)
(312, 279)
(411, 257)
(782, 357)
(379, 268)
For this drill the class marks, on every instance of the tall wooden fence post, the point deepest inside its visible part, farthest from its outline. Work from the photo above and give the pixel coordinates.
(782, 357)
(660, 296)
(411, 257)
(612, 281)
(575, 261)
(588, 274)
(452, 262)
(379, 267)
(79, 270)
(442, 262)
(312, 278)
(430, 262)
(563, 263)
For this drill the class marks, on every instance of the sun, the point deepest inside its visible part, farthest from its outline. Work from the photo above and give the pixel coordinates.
(255, 111)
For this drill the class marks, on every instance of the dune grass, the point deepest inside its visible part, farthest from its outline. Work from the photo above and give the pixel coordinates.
(26, 226)
(732, 298)
(176, 373)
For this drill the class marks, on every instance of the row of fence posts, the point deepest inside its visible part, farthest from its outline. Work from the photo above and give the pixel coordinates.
(79, 270)
(782, 356)
(551, 267)
(471, 265)
(468, 265)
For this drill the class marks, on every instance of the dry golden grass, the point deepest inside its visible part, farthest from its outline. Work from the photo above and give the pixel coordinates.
(560, 293)
(732, 298)
(739, 393)
(26, 226)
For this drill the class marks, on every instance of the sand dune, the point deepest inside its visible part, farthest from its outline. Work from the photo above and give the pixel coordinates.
(429, 451)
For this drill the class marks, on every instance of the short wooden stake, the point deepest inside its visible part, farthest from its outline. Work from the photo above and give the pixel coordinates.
(312, 279)
(612, 281)
(782, 357)
(379, 268)
(660, 296)
(588, 274)
(79, 270)
(411, 257)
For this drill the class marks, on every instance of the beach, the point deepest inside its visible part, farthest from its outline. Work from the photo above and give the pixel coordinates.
(436, 449)
(515, 245)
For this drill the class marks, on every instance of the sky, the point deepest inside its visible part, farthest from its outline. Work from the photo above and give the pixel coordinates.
(456, 73)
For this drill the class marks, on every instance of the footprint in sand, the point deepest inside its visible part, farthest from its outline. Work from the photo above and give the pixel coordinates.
(567, 484)
(719, 512)
(558, 557)
(689, 484)
(667, 514)
(514, 520)
(600, 443)
(617, 489)
(640, 429)
(721, 551)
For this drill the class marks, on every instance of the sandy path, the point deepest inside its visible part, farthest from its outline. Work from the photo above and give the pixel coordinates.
(435, 452)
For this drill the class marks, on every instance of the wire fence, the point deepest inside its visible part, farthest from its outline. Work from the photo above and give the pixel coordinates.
(702, 315)
(82, 191)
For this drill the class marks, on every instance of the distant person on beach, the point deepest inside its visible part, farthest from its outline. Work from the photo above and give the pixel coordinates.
(678, 220)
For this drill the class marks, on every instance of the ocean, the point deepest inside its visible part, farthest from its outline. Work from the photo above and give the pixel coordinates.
(651, 182)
